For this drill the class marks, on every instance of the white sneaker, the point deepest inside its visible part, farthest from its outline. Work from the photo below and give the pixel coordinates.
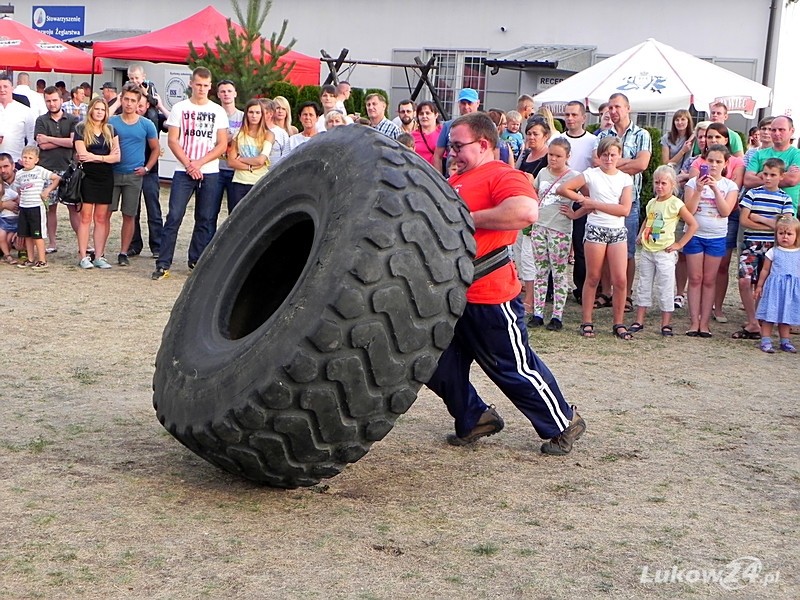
(101, 263)
(86, 263)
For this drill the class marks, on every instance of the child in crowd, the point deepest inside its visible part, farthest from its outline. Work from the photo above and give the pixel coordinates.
(407, 140)
(551, 236)
(681, 271)
(779, 285)
(659, 248)
(606, 206)
(8, 222)
(760, 208)
(32, 186)
(717, 133)
(451, 167)
(710, 197)
(512, 134)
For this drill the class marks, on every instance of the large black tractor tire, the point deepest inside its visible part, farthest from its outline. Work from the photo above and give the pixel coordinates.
(317, 312)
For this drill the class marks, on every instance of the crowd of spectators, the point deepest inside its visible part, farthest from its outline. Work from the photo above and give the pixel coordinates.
(589, 188)
(222, 152)
(711, 198)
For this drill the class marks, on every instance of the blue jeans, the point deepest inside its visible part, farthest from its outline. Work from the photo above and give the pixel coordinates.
(733, 230)
(632, 225)
(155, 222)
(226, 187)
(236, 193)
(206, 210)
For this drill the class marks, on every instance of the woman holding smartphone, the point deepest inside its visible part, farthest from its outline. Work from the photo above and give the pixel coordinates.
(710, 197)
(717, 133)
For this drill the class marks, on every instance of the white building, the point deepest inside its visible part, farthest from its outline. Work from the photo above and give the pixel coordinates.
(786, 93)
(562, 37)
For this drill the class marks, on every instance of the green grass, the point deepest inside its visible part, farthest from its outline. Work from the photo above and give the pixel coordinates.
(487, 549)
(34, 446)
(85, 376)
(44, 520)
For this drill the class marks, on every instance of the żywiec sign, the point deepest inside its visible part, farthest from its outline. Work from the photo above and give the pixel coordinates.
(739, 104)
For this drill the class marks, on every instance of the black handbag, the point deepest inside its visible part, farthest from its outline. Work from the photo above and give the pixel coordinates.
(69, 188)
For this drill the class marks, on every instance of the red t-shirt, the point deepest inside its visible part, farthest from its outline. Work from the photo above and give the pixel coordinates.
(486, 187)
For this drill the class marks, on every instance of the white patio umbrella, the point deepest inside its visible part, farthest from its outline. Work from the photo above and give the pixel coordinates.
(658, 78)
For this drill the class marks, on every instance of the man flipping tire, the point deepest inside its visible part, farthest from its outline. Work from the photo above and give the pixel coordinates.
(492, 329)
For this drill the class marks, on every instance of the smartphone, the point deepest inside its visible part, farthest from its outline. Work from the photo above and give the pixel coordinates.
(703, 171)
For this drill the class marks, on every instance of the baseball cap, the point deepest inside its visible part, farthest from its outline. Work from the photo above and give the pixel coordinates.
(109, 85)
(468, 95)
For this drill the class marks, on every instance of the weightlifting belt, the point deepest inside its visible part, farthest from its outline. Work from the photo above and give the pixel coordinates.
(488, 263)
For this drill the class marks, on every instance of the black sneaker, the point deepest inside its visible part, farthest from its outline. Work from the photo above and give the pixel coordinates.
(554, 325)
(489, 424)
(535, 321)
(192, 266)
(562, 443)
(122, 260)
(132, 252)
(159, 273)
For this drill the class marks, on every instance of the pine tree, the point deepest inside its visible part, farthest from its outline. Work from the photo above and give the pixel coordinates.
(247, 59)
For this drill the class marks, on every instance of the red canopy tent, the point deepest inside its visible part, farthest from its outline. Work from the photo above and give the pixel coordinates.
(171, 44)
(25, 49)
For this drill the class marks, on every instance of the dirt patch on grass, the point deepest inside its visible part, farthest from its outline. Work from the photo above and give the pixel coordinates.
(691, 460)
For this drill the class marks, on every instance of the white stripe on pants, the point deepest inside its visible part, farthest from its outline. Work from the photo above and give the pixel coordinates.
(43, 221)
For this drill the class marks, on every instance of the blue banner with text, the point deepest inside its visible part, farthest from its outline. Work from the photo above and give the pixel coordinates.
(60, 22)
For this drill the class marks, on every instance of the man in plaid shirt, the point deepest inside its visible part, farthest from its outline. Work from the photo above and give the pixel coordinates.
(376, 111)
(76, 106)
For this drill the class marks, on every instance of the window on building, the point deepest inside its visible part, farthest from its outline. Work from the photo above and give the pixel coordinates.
(458, 69)
(657, 120)
(698, 116)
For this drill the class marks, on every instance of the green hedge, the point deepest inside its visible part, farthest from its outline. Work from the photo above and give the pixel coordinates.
(647, 174)
(285, 89)
(308, 93)
(355, 103)
(743, 137)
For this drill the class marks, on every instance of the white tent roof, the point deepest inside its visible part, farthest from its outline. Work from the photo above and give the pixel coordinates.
(658, 78)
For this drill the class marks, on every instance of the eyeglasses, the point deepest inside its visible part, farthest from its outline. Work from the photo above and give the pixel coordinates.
(457, 147)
